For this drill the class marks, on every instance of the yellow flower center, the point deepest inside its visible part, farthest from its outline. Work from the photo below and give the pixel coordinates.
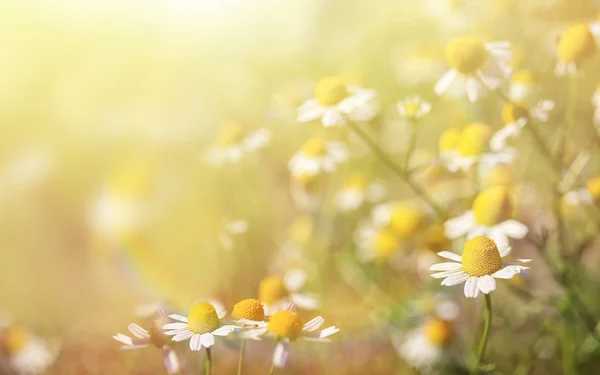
(385, 243)
(492, 206)
(523, 77)
(301, 229)
(230, 134)
(132, 180)
(475, 139)
(272, 289)
(203, 318)
(285, 324)
(434, 238)
(355, 181)
(330, 91)
(449, 139)
(576, 44)
(14, 339)
(466, 54)
(593, 187)
(439, 331)
(512, 112)
(249, 309)
(315, 147)
(405, 220)
(500, 175)
(411, 109)
(481, 257)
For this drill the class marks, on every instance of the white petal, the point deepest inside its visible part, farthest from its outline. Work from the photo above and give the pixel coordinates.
(294, 280)
(185, 335)
(333, 117)
(328, 332)
(505, 252)
(171, 361)
(280, 354)
(448, 266)
(314, 324)
(450, 255)
(305, 301)
(224, 330)
(138, 331)
(123, 339)
(474, 89)
(207, 340)
(472, 287)
(509, 272)
(560, 69)
(455, 280)
(444, 83)
(181, 318)
(175, 326)
(487, 284)
(459, 226)
(443, 274)
(195, 342)
(514, 229)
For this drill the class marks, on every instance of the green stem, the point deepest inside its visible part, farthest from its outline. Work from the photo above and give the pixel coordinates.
(208, 362)
(398, 170)
(242, 354)
(411, 144)
(272, 369)
(486, 333)
(570, 113)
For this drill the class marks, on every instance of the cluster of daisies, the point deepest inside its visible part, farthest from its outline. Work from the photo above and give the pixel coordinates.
(272, 316)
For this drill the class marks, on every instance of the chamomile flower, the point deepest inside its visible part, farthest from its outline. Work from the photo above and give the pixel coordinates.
(375, 243)
(515, 117)
(249, 313)
(478, 267)
(201, 326)
(317, 156)
(490, 216)
(229, 230)
(286, 326)
(144, 338)
(402, 218)
(277, 292)
(576, 44)
(448, 145)
(335, 102)
(356, 190)
(588, 195)
(596, 103)
(27, 353)
(522, 85)
(477, 64)
(474, 147)
(413, 108)
(233, 143)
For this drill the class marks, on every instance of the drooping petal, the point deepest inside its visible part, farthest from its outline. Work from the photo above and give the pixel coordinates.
(487, 284)
(450, 255)
(304, 301)
(224, 330)
(207, 340)
(280, 354)
(474, 89)
(332, 118)
(138, 331)
(514, 229)
(444, 83)
(505, 252)
(185, 335)
(313, 324)
(195, 342)
(472, 287)
(459, 226)
(455, 279)
(171, 361)
(294, 280)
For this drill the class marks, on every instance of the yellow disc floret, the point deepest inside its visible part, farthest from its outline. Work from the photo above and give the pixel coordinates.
(481, 257)
(203, 318)
(593, 187)
(466, 54)
(406, 220)
(231, 134)
(499, 175)
(272, 289)
(385, 243)
(522, 77)
(449, 139)
(355, 181)
(511, 112)
(301, 229)
(475, 139)
(315, 147)
(438, 331)
(14, 339)
(330, 91)
(249, 309)
(285, 324)
(576, 44)
(493, 205)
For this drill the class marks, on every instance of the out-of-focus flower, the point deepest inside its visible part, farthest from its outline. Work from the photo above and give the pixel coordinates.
(276, 292)
(233, 143)
(418, 64)
(490, 216)
(201, 326)
(286, 326)
(431, 241)
(27, 353)
(317, 156)
(515, 117)
(335, 102)
(402, 218)
(499, 175)
(521, 85)
(474, 148)
(413, 108)
(375, 243)
(229, 230)
(356, 190)
(478, 64)
(448, 145)
(596, 103)
(576, 44)
(478, 267)
(587, 195)
(154, 336)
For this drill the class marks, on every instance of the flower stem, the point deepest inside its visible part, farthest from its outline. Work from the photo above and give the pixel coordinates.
(208, 362)
(398, 170)
(241, 360)
(411, 144)
(272, 369)
(570, 114)
(486, 333)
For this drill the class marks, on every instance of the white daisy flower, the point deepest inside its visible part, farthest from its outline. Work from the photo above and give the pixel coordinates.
(490, 216)
(317, 156)
(233, 143)
(522, 85)
(27, 353)
(249, 313)
(356, 191)
(374, 243)
(201, 326)
(144, 338)
(286, 326)
(229, 230)
(478, 267)
(276, 292)
(515, 117)
(576, 44)
(335, 102)
(477, 64)
(588, 195)
(413, 108)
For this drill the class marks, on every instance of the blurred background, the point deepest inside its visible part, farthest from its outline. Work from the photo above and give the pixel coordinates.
(107, 109)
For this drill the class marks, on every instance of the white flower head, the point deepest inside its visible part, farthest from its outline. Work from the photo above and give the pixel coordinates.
(229, 230)
(202, 324)
(335, 102)
(357, 190)
(276, 292)
(522, 85)
(26, 352)
(478, 267)
(478, 64)
(588, 195)
(413, 108)
(234, 143)
(317, 156)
